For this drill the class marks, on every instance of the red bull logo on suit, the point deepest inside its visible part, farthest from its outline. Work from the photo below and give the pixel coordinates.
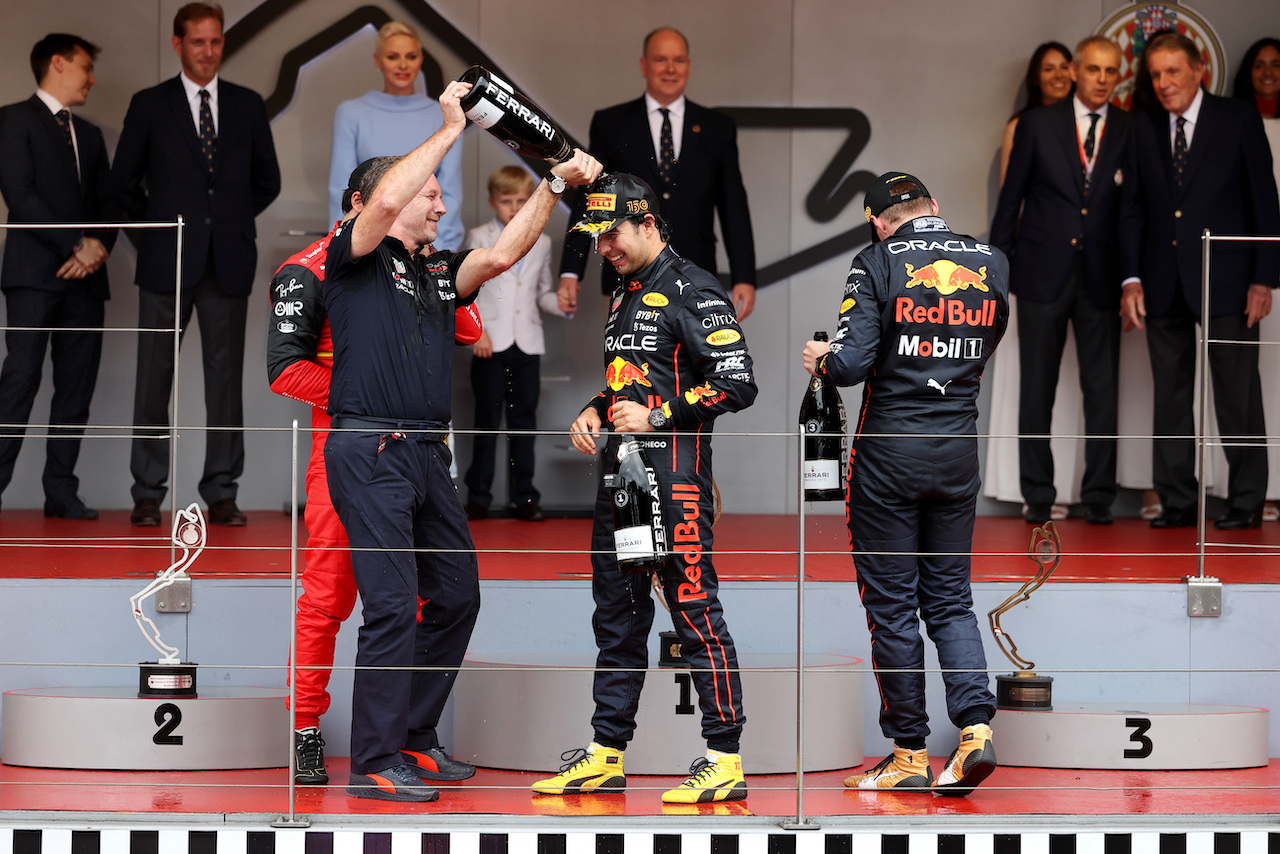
(947, 277)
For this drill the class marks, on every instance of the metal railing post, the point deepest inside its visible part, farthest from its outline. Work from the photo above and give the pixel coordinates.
(1202, 426)
(292, 820)
(801, 823)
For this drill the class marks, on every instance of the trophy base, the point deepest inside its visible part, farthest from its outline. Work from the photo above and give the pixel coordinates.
(669, 654)
(167, 680)
(1024, 690)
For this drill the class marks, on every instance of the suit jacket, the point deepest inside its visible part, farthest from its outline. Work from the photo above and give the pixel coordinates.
(160, 148)
(705, 178)
(1229, 188)
(511, 303)
(39, 182)
(1060, 221)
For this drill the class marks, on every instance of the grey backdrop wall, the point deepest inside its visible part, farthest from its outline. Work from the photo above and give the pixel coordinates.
(936, 80)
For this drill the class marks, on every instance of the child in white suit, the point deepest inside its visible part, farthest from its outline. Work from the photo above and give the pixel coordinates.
(504, 369)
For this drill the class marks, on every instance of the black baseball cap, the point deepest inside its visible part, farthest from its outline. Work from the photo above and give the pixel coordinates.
(614, 197)
(353, 183)
(879, 198)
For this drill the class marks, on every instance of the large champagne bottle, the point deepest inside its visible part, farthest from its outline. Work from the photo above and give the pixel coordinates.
(639, 536)
(512, 116)
(822, 411)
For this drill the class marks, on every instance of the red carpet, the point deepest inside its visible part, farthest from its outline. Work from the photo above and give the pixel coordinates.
(1009, 791)
(749, 548)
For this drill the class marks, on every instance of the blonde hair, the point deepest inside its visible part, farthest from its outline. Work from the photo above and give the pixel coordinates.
(510, 179)
(396, 28)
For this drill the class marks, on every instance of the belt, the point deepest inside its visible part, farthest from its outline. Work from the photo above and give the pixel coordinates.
(422, 431)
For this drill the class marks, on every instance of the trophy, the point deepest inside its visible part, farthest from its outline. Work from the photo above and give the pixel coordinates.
(169, 676)
(1025, 690)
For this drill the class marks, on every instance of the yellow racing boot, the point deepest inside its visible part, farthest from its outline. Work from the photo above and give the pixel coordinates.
(715, 777)
(594, 769)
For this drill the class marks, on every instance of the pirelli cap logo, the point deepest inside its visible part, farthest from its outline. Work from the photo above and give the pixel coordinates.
(602, 202)
(946, 277)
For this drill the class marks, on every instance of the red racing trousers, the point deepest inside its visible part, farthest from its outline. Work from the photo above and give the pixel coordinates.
(328, 584)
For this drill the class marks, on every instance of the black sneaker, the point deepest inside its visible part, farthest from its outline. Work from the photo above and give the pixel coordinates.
(308, 758)
(434, 764)
(397, 783)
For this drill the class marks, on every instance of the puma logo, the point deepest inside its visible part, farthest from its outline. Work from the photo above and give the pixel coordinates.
(932, 383)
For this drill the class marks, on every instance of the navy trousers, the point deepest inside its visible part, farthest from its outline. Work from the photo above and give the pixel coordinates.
(911, 512)
(410, 548)
(75, 372)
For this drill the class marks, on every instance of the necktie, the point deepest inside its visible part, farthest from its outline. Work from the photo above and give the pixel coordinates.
(63, 117)
(208, 137)
(1090, 142)
(1180, 152)
(666, 148)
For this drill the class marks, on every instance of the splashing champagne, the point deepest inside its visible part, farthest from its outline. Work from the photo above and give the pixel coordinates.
(512, 116)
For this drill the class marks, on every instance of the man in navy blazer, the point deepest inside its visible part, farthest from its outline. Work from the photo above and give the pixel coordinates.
(53, 168)
(1064, 177)
(1198, 161)
(198, 147)
(703, 175)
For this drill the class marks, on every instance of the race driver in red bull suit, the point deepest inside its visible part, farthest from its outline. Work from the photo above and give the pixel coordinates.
(922, 312)
(299, 365)
(675, 359)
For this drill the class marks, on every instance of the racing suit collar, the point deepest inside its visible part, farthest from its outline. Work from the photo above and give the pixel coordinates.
(922, 223)
(656, 267)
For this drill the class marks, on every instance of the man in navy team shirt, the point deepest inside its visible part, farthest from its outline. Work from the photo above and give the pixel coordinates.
(391, 303)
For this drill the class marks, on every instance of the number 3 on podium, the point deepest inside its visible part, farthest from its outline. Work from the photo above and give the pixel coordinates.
(1138, 737)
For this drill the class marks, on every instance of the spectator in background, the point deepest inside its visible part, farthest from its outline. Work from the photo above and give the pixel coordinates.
(689, 155)
(54, 168)
(198, 147)
(1056, 220)
(393, 122)
(1048, 81)
(1258, 78)
(1258, 82)
(1198, 161)
(504, 368)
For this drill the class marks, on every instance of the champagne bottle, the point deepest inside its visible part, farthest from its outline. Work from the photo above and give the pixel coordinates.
(512, 116)
(822, 411)
(639, 537)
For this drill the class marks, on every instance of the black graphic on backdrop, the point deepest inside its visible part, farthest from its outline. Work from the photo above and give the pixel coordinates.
(834, 189)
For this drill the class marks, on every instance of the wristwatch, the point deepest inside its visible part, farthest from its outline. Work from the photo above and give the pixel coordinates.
(557, 183)
(657, 418)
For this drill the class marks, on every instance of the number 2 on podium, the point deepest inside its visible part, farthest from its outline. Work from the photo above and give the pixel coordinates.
(167, 717)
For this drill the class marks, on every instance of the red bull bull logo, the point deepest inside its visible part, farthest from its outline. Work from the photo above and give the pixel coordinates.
(620, 373)
(947, 277)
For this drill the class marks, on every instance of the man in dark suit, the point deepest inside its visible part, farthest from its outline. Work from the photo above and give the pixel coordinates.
(53, 168)
(689, 155)
(203, 149)
(1198, 161)
(1064, 176)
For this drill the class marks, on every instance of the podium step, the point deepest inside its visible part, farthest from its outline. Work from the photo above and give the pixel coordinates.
(1142, 736)
(522, 719)
(112, 728)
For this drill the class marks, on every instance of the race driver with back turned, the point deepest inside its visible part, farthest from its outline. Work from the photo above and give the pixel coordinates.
(675, 359)
(922, 311)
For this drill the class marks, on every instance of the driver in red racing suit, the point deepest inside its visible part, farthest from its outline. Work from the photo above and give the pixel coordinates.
(922, 311)
(299, 365)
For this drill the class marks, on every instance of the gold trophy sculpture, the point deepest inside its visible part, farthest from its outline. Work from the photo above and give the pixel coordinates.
(1024, 689)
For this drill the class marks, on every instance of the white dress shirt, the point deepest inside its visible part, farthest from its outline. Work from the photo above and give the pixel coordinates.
(193, 99)
(654, 112)
(1192, 115)
(1082, 130)
(55, 106)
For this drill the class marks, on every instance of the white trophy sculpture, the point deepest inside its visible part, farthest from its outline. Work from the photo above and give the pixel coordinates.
(170, 676)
